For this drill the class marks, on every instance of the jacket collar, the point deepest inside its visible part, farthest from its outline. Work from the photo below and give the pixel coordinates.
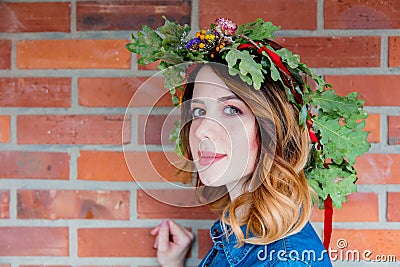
(233, 254)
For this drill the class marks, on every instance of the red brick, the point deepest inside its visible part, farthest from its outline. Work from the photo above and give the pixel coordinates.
(176, 204)
(379, 242)
(35, 17)
(34, 241)
(112, 166)
(129, 15)
(72, 54)
(73, 204)
(35, 165)
(371, 88)
(115, 242)
(118, 92)
(394, 51)
(378, 169)
(153, 166)
(103, 166)
(5, 55)
(373, 127)
(393, 212)
(70, 129)
(284, 13)
(335, 52)
(361, 14)
(35, 92)
(204, 241)
(5, 129)
(353, 210)
(4, 205)
(155, 129)
(394, 130)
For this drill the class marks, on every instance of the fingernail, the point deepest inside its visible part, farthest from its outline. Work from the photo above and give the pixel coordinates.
(164, 223)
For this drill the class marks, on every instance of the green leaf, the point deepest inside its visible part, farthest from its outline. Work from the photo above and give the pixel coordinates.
(175, 35)
(341, 142)
(246, 66)
(335, 182)
(329, 102)
(258, 30)
(174, 138)
(293, 60)
(174, 76)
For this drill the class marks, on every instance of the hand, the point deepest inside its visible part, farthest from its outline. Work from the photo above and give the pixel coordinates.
(172, 243)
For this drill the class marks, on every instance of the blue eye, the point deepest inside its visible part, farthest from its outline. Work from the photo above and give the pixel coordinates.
(231, 110)
(198, 112)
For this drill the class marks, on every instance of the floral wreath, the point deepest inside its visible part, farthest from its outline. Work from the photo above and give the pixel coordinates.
(335, 123)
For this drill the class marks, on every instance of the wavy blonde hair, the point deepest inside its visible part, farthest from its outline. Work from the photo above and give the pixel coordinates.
(280, 202)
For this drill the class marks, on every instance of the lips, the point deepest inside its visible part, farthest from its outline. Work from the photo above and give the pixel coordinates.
(207, 158)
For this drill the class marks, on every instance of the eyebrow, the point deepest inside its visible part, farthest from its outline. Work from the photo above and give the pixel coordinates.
(221, 99)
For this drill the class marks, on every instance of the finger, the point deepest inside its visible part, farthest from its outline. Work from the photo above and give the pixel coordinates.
(155, 245)
(155, 230)
(179, 233)
(163, 236)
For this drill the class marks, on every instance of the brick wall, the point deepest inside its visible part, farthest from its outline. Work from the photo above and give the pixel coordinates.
(66, 195)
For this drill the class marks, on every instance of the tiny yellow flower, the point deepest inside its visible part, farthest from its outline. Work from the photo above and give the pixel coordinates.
(197, 34)
(202, 36)
(203, 31)
(201, 45)
(217, 48)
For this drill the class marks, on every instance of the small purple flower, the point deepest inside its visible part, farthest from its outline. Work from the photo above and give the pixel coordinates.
(192, 42)
(226, 26)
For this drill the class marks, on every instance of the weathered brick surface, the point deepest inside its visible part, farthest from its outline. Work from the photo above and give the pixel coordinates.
(354, 209)
(361, 14)
(72, 54)
(336, 52)
(4, 204)
(130, 15)
(378, 169)
(394, 51)
(5, 55)
(35, 92)
(176, 204)
(66, 80)
(123, 92)
(37, 165)
(73, 204)
(5, 130)
(115, 242)
(374, 89)
(70, 129)
(394, 130)
(284, 13)
(34, 241)
(35, 17)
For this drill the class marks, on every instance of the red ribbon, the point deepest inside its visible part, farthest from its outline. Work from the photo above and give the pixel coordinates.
(328, 222)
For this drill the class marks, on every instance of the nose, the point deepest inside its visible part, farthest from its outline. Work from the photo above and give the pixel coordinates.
(207, 127)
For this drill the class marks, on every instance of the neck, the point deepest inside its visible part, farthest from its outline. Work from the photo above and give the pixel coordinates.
(235, 189)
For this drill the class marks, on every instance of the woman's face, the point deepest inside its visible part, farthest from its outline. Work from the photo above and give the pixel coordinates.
(223, 135)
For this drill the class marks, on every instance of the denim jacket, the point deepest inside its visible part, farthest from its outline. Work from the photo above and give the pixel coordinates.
(301, 249)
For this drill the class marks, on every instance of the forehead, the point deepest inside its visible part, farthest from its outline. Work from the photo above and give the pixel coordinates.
(209, 84)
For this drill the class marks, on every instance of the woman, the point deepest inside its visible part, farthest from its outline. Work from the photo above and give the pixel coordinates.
(251, 125)
(228, 136)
